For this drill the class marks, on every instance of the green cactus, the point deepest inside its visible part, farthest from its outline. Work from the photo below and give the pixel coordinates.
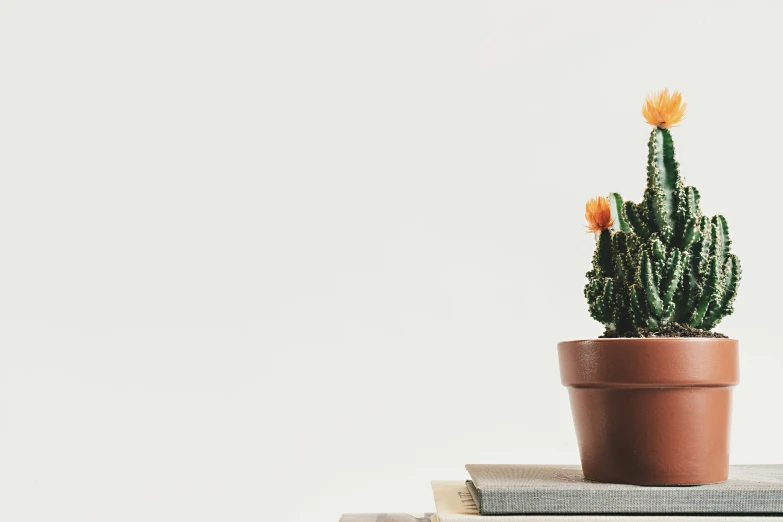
(661, 262)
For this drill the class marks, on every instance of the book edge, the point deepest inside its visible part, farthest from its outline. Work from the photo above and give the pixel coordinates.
(475, 493)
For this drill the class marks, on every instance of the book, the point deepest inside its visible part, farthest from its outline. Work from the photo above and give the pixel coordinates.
(503, 489)
(454, 503)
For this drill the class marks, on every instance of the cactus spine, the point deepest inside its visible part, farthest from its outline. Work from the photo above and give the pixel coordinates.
(661, 261)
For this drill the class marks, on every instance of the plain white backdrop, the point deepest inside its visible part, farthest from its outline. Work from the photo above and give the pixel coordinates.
(257, 257)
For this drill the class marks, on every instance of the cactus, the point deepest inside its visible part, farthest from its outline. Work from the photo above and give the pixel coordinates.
(660, 262)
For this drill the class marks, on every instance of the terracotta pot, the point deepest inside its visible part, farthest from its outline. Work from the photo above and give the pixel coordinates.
(652, 411)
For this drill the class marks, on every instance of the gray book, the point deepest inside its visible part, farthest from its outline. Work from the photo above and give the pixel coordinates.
(503, 489)
(454, 504)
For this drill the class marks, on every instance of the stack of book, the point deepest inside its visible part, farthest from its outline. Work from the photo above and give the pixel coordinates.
(519, 493)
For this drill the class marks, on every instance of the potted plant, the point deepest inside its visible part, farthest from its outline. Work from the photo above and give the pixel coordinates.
(651, 398)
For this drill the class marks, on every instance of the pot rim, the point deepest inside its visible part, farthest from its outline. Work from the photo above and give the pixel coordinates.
(670, 362)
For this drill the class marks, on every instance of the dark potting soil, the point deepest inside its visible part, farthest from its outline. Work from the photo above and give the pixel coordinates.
(671, 330)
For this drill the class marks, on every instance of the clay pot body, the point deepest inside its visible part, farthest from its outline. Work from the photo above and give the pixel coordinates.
(652, 411)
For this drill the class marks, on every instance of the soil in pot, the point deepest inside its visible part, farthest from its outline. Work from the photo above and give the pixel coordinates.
(671, 330)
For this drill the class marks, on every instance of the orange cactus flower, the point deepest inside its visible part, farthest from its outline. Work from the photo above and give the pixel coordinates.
(598, 215)
(663, 109)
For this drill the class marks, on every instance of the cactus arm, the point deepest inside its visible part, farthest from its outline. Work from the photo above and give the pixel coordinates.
(621, 319)
(662, 179)
(620, 247)
(732, 283)
(597, 311)
(709, 268)
(691, 233)
(695, 286)
(680, 297)
(672, 171)
(699, 264)
(637, 316)
(673, 276)
(635, 221)
(658, 250)
(650, 288)
(720, 310)
(675, 269)
(689, 287)
(601, 302)
(619, 222)
(623, 275)
(687, 212)
(708, 293)
(607, 297)
(693, 198)
(717, 243)
(658, 259)
(723, 232)
(701, 252)
(590, 291)
(603, 254)
(717, 248)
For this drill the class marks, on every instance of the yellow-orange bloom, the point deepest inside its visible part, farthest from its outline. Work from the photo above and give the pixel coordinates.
(598, 215)
(662, 109)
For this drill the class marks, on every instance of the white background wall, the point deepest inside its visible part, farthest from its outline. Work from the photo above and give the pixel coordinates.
(256, 257)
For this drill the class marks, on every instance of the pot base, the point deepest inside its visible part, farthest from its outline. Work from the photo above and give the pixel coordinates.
(674, 436)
